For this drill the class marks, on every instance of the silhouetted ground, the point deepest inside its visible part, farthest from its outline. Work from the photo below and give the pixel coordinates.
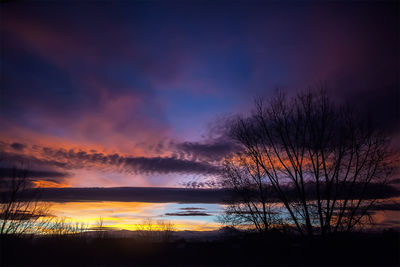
(273, 249)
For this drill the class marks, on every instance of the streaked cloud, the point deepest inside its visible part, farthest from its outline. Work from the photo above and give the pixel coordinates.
(188, 213)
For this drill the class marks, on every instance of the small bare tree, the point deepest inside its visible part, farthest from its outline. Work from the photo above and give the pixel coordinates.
(62, 226)
(166, 230)
(99, 228)
(324, 163)
(160, 230)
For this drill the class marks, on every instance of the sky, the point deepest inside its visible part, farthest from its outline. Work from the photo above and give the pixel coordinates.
(125, 93)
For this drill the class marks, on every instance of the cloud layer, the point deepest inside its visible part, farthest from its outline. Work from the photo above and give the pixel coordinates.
(131, 88)
(57, 164)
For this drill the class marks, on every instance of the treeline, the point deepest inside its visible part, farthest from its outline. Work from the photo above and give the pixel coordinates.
(271, 249)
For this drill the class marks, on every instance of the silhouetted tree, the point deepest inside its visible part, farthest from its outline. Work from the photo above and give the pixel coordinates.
(160, 230)
(62, 226)
(324, 163)
(20, 213)
(250, 203)
(99, 227)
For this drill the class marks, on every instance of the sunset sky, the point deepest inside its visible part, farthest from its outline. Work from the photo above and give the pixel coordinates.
(127, 93)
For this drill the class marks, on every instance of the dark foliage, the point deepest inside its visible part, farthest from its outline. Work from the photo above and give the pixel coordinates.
(270, 249)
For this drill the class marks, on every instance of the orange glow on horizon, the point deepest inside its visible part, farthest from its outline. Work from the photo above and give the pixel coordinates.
(126, 215)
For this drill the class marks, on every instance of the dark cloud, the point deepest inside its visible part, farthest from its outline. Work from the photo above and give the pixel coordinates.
(132, 194)
(394, 224)
(169, 165)
(202, 184)
(347, 190)
(212, 151)
(191, 208)
(386, 206)
(71, 159)
(135, 164)
(8, 175)
(18, 146)
(188, 213)
(22, 215)
(186, 195)
(15, 159)
(31, 174)
(395, 181)
(372, 191)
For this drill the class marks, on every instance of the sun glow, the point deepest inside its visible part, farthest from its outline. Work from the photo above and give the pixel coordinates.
(131, 215)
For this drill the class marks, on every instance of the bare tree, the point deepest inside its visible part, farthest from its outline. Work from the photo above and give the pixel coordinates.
(322, 161)
(166, 230)
(62, 226)
(250, 205)
(156, 231)
(20, 213)
(99, 227)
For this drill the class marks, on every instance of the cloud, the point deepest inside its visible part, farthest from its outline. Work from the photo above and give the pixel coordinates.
(183, 195)
(12, 172)
(77, 159)
(22, 215)
(132, 194)
(346, 190)
(112, 82)
(188, 213)
(18, 146)
(169, 165)
(205, 183)
(33, 178)
(99, 92)
(395, 181)
(15, 159)
(215, 150)
(386, 206)
(192, 208)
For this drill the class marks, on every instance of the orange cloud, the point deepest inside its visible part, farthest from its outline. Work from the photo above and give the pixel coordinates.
(48, 184)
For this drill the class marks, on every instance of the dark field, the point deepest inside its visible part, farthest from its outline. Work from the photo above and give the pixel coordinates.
(272, 249)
